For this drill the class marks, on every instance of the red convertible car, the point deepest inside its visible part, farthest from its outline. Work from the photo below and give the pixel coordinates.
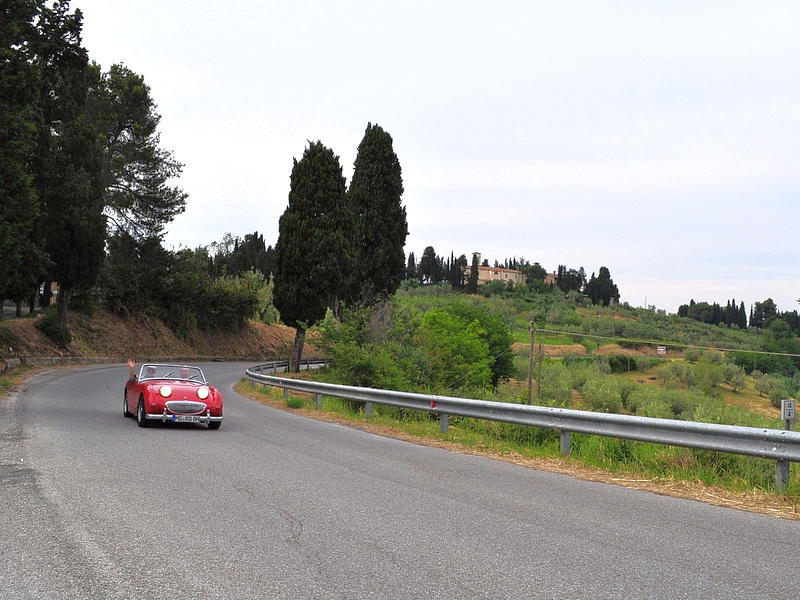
(171, 393)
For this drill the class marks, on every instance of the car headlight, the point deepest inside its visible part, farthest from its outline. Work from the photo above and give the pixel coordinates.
(203, 392)
(165, 391)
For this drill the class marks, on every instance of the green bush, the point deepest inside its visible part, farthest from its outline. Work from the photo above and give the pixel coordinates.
(621, 364)
(47, 323)
(602, 394)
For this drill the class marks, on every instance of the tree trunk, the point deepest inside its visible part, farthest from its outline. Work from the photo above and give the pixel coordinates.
(63, 300)
(297, 349)
(31, 304)
(19, 308)
(44, 299)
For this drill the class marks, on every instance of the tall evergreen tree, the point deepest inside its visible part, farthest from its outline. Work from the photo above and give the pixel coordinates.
(68, 166)
(411, 267)
(601, 289)
(314, 253)
(428, 266)
(472, 280)
(24, 261)
(375, 198)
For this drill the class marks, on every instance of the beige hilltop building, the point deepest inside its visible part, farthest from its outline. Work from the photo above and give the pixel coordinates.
(486, 274)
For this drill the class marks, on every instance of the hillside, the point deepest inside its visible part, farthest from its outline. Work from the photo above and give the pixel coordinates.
(104, 334)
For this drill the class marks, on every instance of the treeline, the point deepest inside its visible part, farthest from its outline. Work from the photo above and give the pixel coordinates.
(762, 314)
(216, 286)
(462, 275)
(715, 314)
(80, 157)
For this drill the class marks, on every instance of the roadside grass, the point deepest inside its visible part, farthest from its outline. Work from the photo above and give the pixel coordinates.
(655, 465)
(13, 377)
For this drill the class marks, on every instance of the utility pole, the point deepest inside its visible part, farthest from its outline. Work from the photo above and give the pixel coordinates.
(530, 363)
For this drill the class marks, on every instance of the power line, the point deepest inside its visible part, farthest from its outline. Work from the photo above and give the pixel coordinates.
(662, 343)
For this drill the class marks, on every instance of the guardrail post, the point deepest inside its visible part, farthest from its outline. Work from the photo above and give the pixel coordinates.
(318, 401)
(781, 475)
(443, 422)
(566, 443)
(368, 409)
(286, 394)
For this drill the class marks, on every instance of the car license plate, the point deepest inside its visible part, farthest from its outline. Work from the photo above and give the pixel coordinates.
(185, 419)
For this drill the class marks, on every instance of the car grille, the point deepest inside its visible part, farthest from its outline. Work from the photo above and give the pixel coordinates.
(185, 407)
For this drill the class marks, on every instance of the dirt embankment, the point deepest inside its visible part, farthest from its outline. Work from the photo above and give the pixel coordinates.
(103, 334)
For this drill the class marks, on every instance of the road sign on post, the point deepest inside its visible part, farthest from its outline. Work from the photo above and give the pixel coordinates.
(788, 410)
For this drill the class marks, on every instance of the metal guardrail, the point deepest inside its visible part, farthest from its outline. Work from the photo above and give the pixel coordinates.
(775, 444)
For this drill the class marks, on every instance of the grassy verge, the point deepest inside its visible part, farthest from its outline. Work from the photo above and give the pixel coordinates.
(13, 377)
(715, 478)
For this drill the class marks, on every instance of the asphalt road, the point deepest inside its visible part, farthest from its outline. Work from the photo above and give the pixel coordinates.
(274, 505)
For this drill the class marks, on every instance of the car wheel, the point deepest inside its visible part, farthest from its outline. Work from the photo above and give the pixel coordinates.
(125, 410)
(140, 419)
(214, 424)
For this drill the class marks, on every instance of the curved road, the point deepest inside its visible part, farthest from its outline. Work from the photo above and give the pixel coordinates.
(274, 505)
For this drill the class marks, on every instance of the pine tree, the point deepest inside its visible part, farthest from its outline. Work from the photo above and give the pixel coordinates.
(375, 198)
(314, 253)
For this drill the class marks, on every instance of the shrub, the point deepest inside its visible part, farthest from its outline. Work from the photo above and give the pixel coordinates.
(621, 364)
(48, 324)
(602, 394)
(555, 388)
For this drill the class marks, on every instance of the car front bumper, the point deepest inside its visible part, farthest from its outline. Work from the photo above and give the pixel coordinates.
(166, 417)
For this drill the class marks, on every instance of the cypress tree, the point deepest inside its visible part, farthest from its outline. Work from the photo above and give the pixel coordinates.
(472, 280)
(411, 267)
(381, 228)
(24, 262)
(314, 252)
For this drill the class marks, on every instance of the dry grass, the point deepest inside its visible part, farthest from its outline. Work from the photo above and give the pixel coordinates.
(106, 334)
(756, 501)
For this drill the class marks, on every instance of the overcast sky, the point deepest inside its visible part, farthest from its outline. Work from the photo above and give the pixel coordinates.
(659, 139)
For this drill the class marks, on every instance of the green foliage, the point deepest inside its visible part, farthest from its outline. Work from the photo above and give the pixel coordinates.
(621, 363)
(601, 289)
(707, 374)
(495, 332)
(235, 256)
(457, 350)
(137, 170)
(381, 228)
(314, 252)
(294, 402)
(554, 384)
(48, 322)
(602, 394)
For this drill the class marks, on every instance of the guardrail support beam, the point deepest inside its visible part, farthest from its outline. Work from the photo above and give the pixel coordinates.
(286, 394)
(443, 422)
(318, 401)
(368, 409)
(566, 443)
(781, 475)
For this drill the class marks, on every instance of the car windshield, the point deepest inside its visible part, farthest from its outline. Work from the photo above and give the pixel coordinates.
(178, 372)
